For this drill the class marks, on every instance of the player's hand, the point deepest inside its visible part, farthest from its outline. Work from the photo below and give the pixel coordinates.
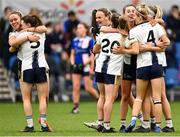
(153, 22)
(142, 47)
(118, 50)
(95, 30)
(33, 37)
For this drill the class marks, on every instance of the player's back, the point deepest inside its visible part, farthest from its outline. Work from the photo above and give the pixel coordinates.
(107, 62)
(145, 33)
(33, 52)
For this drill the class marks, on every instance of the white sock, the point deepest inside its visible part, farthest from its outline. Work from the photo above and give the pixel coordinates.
(133, 118)
(106, 125)
(153, 120)
(140, 117)
(29, 121)
(100, 122)
(158, 124)
(169, 123)
(146, 124)
(123, 122)
(43, 120)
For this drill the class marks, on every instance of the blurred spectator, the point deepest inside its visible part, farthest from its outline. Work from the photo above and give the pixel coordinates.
(49, 26)
(55, 42)
(173, 24)
(34, 11)
(113, 11)
(5, 29)
(54, 48)
(70, 25)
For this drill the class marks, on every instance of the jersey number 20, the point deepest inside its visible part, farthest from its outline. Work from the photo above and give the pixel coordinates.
(106, 43)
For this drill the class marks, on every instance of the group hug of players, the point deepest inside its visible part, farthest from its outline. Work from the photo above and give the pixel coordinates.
(131, 48)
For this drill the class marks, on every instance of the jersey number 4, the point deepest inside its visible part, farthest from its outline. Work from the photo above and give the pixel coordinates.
(151, 37)
(106, 44)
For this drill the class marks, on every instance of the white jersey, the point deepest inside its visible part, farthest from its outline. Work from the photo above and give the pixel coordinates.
(128, 58)
(107, 62)
(147, 33)
(164, 61)
(16, 34)
(33, 52)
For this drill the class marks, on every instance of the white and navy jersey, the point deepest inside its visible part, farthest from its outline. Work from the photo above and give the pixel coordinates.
(33, 52)
(16, 34)
(147, 33)
(164, 61)
(128, 58)
(107, 62)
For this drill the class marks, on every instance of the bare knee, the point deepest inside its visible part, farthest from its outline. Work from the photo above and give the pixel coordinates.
(125, 98)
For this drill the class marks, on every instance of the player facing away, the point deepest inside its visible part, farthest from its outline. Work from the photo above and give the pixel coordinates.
(34, 70)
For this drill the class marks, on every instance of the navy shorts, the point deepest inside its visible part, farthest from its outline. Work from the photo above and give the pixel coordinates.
(79, 69)
(164, 72)
(129, 72)
(150, 72)
(107, 78)
(36, 75)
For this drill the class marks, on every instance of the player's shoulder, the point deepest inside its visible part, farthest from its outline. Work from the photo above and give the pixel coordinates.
(75, 39)
(14, 33)
(89, 38)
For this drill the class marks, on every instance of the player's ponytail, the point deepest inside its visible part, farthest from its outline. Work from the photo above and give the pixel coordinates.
(159, 12)
(115, 20)
(143, 11)
(123, 23)
(94, 23)
(34, 20)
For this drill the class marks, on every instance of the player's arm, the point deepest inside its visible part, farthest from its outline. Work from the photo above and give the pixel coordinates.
(92, 63)
(164, 42)
(122, 50)
(39, 29)
(72, 57)
(96, 48)
(153, 22)
(107, 29)
(150, 47)
(15, 42)
(12, 49)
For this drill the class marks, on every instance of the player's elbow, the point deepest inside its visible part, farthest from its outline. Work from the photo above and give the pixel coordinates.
(135, 52)
(167, 43)
(13, 44)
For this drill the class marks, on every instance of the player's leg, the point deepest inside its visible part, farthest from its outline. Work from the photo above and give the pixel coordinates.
(111, 91)
(76, 79)
(146, 108)
(125, 99)
(166, 110)
(89, 87)
(42, 83)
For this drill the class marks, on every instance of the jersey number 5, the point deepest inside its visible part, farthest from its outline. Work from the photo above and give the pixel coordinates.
(106, 43)
(34, 45)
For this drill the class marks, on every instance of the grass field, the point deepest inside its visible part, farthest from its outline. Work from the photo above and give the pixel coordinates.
(66, 124)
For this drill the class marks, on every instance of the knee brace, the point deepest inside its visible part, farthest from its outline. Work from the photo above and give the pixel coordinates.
(138, 100)
(157, 101)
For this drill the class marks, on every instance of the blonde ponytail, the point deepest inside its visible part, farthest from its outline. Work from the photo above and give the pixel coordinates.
(159, 12)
